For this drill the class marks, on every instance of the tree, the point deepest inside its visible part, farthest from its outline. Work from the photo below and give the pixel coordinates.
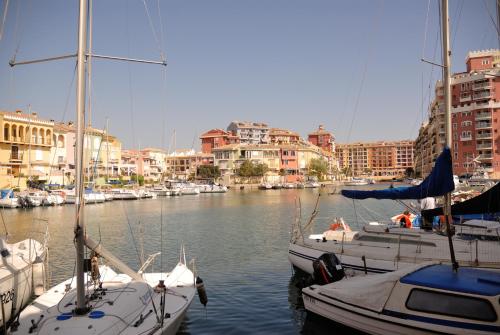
(259, 170)
(208, 171)
(246, 169)
(318, 168)
(249, 169)
(409, 172)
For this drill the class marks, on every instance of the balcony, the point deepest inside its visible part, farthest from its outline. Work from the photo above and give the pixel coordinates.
(483, 136)
(483, 116)
(465, 98)
(16, 158)
(485, 157)
(466, 137)
(481, 85)
(484, 146)
(482, 95)
(483, 125)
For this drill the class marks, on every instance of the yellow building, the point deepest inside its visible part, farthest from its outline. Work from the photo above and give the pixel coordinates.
(378, 159)
(25, 148)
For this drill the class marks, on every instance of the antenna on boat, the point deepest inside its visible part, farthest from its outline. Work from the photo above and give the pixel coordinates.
(447, 117)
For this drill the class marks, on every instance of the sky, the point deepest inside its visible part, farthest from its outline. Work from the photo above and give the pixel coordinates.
(353, 66)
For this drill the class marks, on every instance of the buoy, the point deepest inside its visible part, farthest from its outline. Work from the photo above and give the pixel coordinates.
(202, 294)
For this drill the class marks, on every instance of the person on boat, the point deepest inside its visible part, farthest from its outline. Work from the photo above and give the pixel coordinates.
(404, 219)
(427, 203)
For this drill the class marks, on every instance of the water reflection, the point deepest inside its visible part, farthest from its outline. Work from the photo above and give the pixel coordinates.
(239, 240)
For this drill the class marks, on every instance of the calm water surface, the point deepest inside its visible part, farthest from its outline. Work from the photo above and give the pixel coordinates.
(239, 241)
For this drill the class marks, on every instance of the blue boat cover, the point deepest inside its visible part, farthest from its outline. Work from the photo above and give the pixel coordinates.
(438, 182)
(466, 280)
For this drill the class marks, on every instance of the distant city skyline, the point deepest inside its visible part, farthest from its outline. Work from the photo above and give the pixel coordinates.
(353, 66)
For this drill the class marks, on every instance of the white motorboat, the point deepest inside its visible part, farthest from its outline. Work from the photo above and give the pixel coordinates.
(212, 188)
(421, 299)
(98, 300)
(124, 194)
(357, 182)
(8, 199)
(311, 184)
(265, 186)
(161, 191)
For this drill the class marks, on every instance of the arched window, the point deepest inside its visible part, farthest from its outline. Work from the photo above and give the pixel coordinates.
(48, 137)
(42, 136)
(34, 136)
(60, 141)
(14, 132)
(21, 133)
(6, 132)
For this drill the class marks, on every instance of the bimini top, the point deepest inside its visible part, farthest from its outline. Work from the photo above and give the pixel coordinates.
(437, 183)
(466, 280)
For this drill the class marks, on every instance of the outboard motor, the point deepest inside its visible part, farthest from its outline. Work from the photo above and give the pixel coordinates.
(327, 269)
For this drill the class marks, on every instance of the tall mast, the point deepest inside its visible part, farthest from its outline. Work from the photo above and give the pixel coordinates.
(81, 306)
(447, 115)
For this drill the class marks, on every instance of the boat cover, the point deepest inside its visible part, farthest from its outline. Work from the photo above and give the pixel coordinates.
(369, 292)
(466, 280)
(437, 183)
(486, 203)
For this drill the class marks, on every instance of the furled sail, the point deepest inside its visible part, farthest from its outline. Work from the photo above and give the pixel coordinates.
(437, 183)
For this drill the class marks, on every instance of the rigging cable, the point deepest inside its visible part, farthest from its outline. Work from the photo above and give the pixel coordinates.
(492, 19)
(376, 23)
(4, 18)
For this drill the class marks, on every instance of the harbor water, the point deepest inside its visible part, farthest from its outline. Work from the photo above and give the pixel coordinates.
(239, 241)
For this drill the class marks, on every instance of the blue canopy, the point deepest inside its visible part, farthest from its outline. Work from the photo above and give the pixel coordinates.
(438, 182)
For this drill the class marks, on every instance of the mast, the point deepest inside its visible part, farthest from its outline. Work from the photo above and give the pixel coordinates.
(447, 116)
(107, 151)
(81, 307)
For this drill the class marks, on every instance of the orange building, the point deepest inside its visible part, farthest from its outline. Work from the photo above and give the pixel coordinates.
(322, 138)
(215, 138)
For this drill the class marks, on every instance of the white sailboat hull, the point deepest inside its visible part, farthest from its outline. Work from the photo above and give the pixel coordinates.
(21, 276)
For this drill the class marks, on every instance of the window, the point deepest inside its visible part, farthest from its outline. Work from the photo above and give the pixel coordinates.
(451, 304)
(39, 155)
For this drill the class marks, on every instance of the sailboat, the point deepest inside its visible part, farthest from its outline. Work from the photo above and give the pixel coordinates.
(425, 298)
(99, 300)
(22, 275)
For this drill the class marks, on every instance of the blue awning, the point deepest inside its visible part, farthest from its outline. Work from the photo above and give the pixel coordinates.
(438, 182)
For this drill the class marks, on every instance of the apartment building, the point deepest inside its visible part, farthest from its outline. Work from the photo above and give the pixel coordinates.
(215, 138)
(379, 159)
(25, 148)
(287, 162)
(475, 113)
(182, 164)
(250, 132)
(323, 139)
(283, 136)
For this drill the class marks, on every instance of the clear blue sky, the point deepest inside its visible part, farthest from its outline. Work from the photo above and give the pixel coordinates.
(292, 64)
